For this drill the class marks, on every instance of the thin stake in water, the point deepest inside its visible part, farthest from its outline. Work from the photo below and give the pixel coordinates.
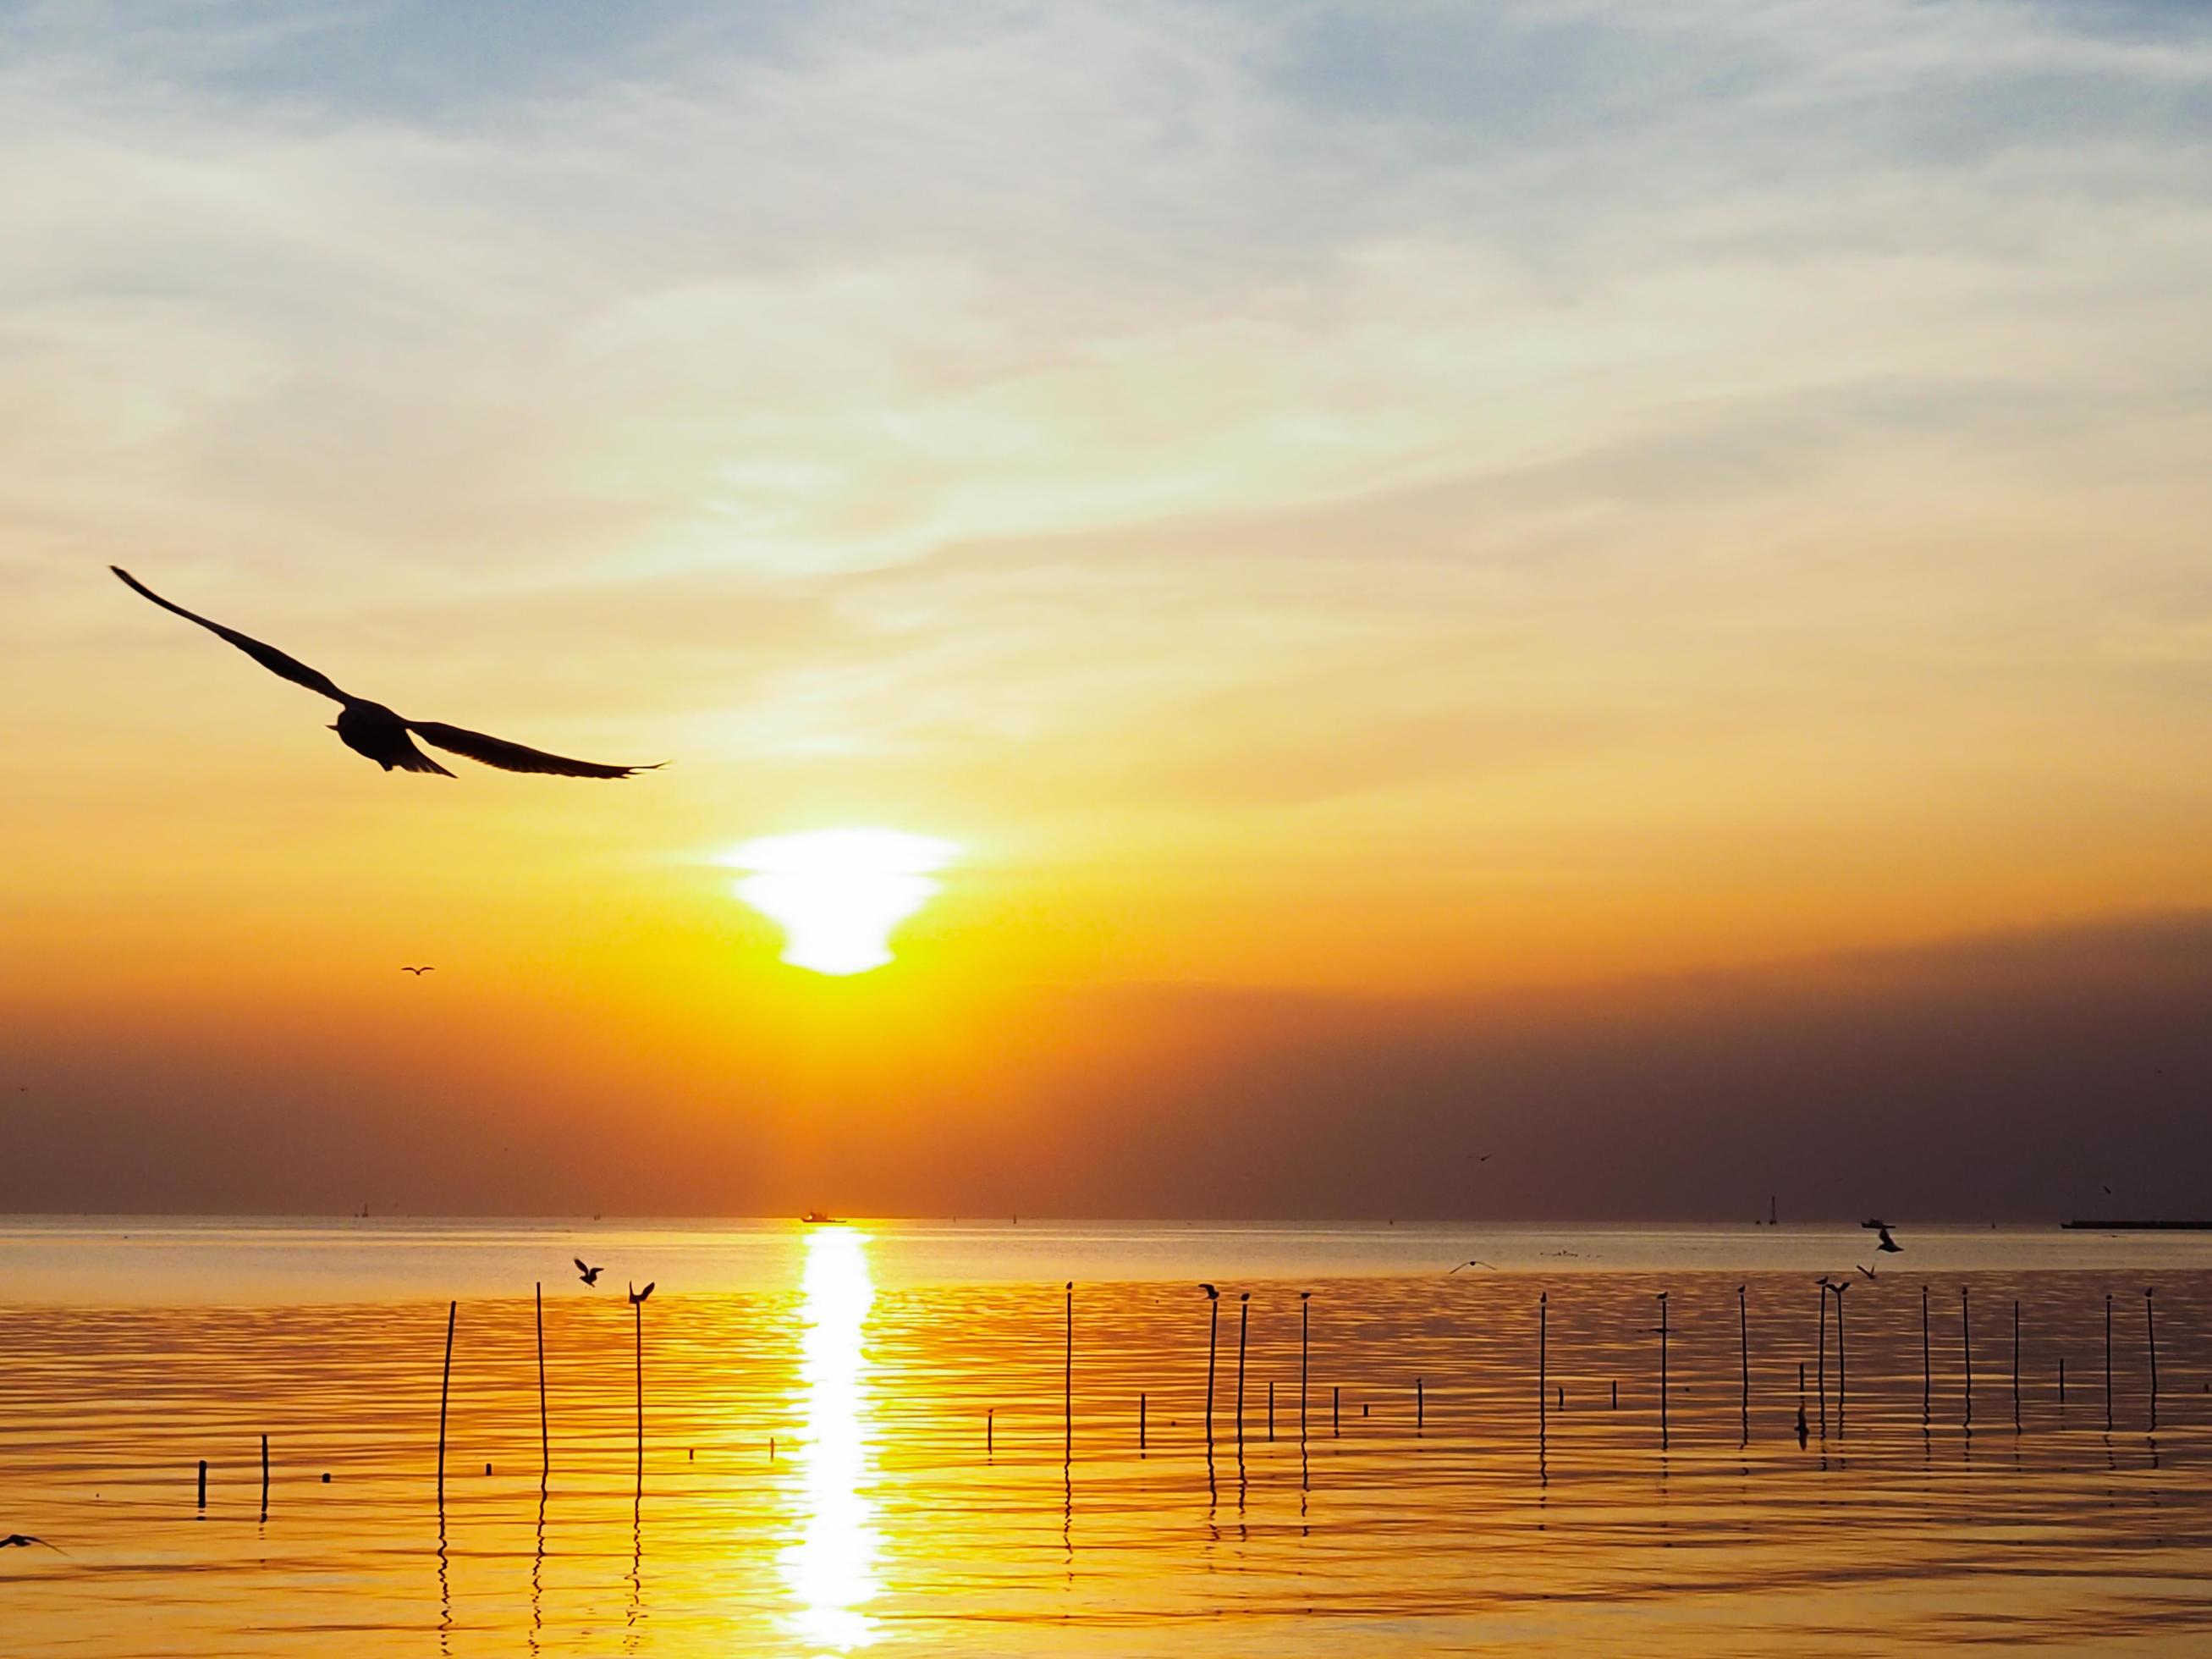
(264, 1477)
(2108, 1362)
(2150, 1347)
(1305, 1307)
(1927, 1364)
(1243, 1329)
(545, 1433)
(2015, 1365)
(1967, 1354)
(445, 1390)
(1067, 1384)
(1543, 1390)
(1663, 1370)
(1743, 1349)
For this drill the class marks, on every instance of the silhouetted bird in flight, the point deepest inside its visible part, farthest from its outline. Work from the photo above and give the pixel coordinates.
(637, 1296)
(589, 1275)
(371, 729)
(1867, 1271)
(1477, 1262)
(417, 972)
(23, 1540)
(1888, 1243)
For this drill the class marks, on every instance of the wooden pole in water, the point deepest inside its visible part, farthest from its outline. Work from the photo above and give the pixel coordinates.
(1244, 1330)
(1843, 1372)
(544, 1432)
(1967, 1354)
(2016, 1364)
(1140, 1422)
(203, 1499)
(1543, 1331)
(990, 1429)
(1213, 1344)
(1663, 1370)
(1421, 1406)
(2150, 1344)
(1067, 1384)
(264, 1477)
(2061, 1383)
(1823, 1369)
(1927, 1364)
(1270, 1410)
(2108, 1362)
(1743, 1349)
(1305, 1307)
(1335, 1408)
(445, 1391)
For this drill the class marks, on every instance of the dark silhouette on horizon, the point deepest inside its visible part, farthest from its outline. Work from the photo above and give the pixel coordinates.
(590, 1275)
(371, 729)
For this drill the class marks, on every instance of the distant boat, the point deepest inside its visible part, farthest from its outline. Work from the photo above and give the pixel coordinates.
(816, 1218)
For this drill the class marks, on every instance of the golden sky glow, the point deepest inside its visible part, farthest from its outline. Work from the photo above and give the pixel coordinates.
(1399, 505)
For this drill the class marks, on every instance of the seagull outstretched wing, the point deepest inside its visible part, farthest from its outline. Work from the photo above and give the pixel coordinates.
(514, 757)
(285, 667)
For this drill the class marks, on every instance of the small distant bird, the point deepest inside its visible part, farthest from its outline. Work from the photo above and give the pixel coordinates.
(2108, 1192)
(589, 1275)
(1867, 1271)
(23, 1540)
(371, 729)
(1480, 1158)
(1887, 1244)
(1475, 1262)
(1212, 1294)
(637, 1296)
(417, 972)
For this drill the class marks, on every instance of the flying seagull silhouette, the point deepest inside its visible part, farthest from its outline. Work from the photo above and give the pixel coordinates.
(1477, 1262)
(1888, 1243)
(23, 1540)
(417, 972)
(589, 1275)
(1867, 1271)
(637, 1296)
(371, 729)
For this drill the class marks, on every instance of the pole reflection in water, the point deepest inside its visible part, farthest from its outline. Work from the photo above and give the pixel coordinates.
(831, 1567)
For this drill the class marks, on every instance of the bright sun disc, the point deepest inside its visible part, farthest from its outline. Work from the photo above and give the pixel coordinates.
(838, 893)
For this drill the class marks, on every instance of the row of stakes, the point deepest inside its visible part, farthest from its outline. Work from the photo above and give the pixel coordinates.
(1662, 1330)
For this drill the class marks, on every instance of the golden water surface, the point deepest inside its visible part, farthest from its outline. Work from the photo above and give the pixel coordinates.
(840, 1467)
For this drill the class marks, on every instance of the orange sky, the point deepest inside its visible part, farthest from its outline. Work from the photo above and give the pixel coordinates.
(1657, 500)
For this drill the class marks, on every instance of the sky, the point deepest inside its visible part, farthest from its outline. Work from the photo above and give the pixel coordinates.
(1624, 583)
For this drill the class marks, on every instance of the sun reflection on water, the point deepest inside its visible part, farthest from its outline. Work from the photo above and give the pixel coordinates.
(830, 1568)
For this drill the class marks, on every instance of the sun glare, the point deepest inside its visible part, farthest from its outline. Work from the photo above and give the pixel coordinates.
(838, 893)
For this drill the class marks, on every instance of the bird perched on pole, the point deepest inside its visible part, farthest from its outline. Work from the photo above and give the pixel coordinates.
(386, 738)
(637, 1296)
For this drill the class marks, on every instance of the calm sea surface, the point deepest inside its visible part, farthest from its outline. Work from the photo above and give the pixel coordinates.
(868, 1439)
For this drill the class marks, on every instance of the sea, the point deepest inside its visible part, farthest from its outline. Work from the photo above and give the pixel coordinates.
(1016, 1436)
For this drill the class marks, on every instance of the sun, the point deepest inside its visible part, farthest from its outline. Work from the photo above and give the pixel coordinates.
(838, 893)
